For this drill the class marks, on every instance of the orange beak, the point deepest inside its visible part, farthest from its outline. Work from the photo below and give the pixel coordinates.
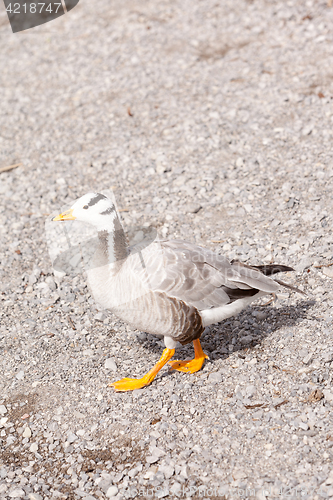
(68, 215)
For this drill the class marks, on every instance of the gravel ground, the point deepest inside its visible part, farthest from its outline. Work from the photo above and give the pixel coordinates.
(212, 122)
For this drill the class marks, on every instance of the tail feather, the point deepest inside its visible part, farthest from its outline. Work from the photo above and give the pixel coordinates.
(269, 269)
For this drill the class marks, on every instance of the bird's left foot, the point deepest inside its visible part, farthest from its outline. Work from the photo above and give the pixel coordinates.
(129, 384)
(189, 365)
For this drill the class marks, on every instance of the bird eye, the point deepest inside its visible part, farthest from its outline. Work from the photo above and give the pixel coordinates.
(86, 207)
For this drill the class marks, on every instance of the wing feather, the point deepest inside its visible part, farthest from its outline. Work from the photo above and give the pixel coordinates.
(196, 275)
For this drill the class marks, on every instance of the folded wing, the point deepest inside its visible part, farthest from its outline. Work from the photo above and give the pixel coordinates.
(197, 275)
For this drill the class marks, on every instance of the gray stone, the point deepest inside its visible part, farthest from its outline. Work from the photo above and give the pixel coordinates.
(3, 472)
(247, 339)
(152, 459)
(34, 447)
(133, 472)
(192, 208)
(168, 470)
(72, 437)
(3, 410)
(17, 493)
(35, 496)
(110, 364)
(328, 271)
(308, 358)
(250, 390)
(328, 395)
(175, 488)
(20, 375)
(100, 316)
(260, 315)
(215, 378)
(327, 357)
(304, 263)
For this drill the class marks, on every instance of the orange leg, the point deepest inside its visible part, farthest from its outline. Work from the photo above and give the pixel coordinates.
(130, 384)
(191, 365)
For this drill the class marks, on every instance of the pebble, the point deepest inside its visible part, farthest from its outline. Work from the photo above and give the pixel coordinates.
(72, 437)
(3, 410)
(308, 358)
(35, 496)
(304, 264)
(17, 493)
(328, 271)
(110, 364)
(152, 459)
(247, 339)
(112, 492)
(100, 317)
(328, 395)
(168, 470)
(26, 433)
(192, 208)
(327, 357)
(34, 448)
(215, 378)
(260, 315)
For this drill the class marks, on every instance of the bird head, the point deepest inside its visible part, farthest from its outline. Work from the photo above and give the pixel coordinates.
(92, 208)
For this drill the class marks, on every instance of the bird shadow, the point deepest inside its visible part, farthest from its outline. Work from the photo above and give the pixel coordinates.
(218, 340)
(230, 333)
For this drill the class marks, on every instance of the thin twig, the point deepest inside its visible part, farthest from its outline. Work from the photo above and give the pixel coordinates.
(10, 167)
(280, 404)
(323, 265)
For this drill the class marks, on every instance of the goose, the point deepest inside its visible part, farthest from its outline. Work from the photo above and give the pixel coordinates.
(170, 288)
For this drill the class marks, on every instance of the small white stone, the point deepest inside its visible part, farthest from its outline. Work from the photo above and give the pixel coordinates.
(17, 493)
(328, 395)
(239, 474)
(34, 447)
(250, 390)
(328, 271)
(112, 492)
(3, 409)
(168, 470)
(215, 378)
(152, 459)
(307, 358)
(71, 437)
(26, 433)
(35, 496)
(110, 364)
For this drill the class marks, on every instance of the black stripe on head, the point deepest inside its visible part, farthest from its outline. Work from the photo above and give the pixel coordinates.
(109, 210)
(96, 199)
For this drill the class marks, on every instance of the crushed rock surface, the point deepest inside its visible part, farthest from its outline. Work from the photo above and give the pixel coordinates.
(212, 122)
